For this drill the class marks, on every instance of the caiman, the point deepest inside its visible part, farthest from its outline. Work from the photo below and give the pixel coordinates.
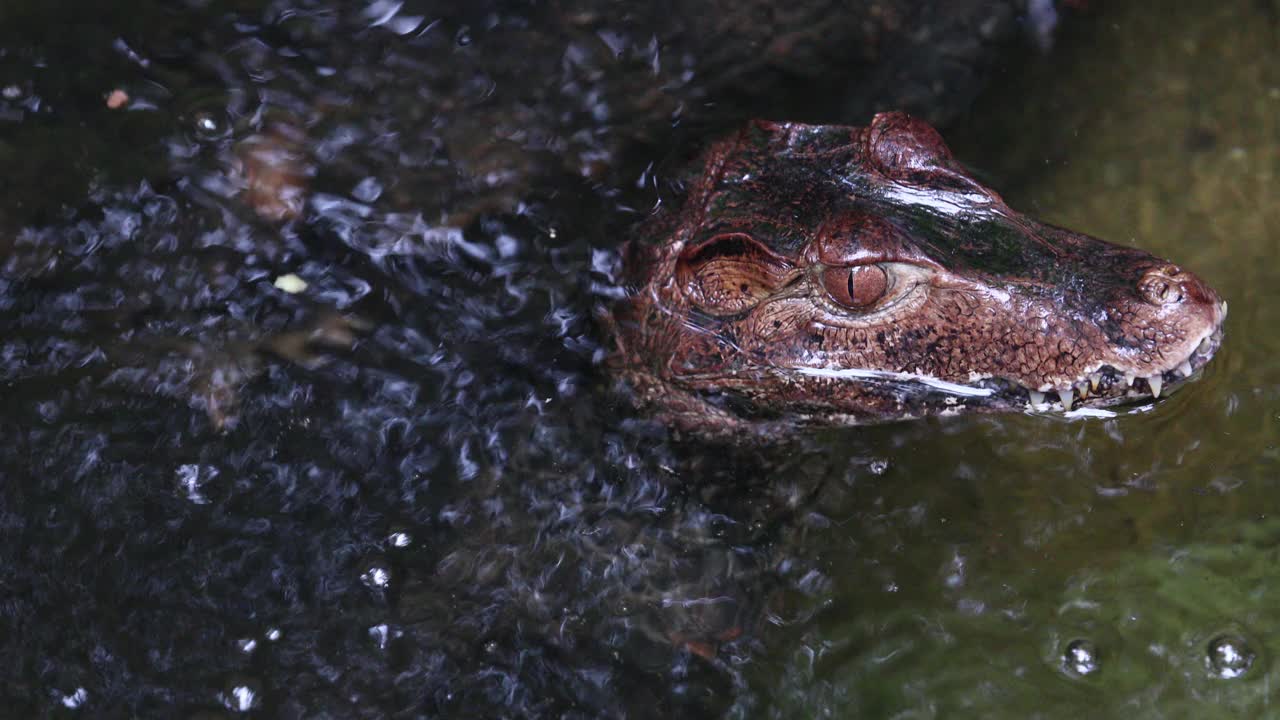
(828, 275)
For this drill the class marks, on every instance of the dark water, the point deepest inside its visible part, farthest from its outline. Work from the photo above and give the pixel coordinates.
(405, 491)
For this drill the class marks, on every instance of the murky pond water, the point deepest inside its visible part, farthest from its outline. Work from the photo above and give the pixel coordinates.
(404, 489)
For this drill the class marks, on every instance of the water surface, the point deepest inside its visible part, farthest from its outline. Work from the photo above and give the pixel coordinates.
(406, 491)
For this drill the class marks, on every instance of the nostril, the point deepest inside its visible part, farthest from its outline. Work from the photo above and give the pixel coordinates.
(1159, 287)
(1194, 290)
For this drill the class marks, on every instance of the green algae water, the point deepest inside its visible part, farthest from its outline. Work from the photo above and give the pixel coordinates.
(302, 412)
(1023, 568)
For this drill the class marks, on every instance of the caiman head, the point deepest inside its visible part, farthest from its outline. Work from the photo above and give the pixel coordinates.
(840, 276)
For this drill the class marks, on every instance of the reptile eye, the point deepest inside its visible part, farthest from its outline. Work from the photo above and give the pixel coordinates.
(856, 287)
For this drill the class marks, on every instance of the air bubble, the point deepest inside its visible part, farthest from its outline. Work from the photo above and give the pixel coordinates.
(367, 190)
(376, 576)
(382, 634)
(241, 695)
(1080, 658)
(75, 699)
(1229, 656)
(209, 126)
(192, 481)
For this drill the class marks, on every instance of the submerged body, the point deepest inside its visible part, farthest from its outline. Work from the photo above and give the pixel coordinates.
(824, 275)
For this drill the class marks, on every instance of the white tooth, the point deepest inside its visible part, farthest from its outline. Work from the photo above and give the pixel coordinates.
(1185, 368)
(1129, 378)
(1155, 382)
(1204, 347)
(1037, 398)
(1094, 380)
(1082, 387)
(1066, 397)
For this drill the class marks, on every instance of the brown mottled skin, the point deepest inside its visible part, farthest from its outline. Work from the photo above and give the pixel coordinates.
(822, 275)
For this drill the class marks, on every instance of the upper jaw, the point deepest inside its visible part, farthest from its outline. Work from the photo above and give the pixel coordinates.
(1108, 385)
(1104, 386)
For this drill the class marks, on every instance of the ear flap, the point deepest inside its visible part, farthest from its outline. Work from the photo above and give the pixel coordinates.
(901, 143)
(731, 273)
(910, 150)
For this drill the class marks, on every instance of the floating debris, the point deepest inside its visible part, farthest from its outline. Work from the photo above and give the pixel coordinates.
(290, 283)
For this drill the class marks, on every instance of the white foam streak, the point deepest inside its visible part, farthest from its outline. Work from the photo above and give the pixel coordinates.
(862, 374)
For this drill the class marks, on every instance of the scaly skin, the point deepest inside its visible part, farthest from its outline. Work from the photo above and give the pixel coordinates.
(742, 314)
